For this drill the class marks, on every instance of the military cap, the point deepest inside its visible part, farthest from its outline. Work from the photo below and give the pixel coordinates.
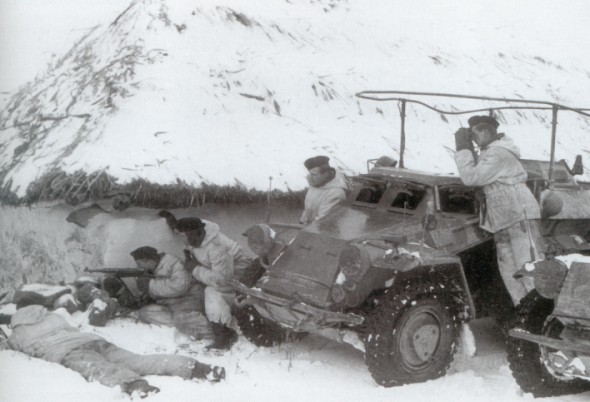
(385, 161)
(145, 253)
(316, 161)
(189, 224)
(475, 120)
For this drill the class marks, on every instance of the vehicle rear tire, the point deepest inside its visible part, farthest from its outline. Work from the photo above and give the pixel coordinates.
(526, 358)
(411, 337)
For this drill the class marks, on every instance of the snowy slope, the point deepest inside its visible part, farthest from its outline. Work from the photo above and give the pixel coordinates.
(232, 92)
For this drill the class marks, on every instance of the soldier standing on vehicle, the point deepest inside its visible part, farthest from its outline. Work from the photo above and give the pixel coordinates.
(510, 208)
(327, 188)
(213, 259)
(178, 298)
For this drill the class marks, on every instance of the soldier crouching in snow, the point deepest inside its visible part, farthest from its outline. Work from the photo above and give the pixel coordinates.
(46, 335)
(179, 299)
(214, 258)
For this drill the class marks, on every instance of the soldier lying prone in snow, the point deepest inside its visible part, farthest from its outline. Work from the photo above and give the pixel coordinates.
(47, 335)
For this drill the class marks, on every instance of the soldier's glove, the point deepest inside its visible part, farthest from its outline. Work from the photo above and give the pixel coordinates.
(190, 262)
(143, 284)
(463, 139)
(170, 218)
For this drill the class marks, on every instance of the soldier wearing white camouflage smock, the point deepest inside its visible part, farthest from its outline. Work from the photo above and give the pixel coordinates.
(215, 260)
(327, 188)
(510, 208)
(46, 335)
(178, 297)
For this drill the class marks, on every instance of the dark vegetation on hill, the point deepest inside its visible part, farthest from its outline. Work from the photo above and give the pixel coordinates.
(81, 187)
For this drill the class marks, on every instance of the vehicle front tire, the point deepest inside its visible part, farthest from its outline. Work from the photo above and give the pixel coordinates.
(262, 332)
(257, 329)
(411, 337)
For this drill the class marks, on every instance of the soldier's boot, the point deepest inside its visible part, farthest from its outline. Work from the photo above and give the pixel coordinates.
(207, 372)
(141, 388)
(223, 337)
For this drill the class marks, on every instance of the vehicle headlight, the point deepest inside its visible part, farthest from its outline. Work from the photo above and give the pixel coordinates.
(338, 293)
(353, 262)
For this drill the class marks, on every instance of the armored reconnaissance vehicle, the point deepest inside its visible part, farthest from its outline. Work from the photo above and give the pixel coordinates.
(401, 264)
(549, 348)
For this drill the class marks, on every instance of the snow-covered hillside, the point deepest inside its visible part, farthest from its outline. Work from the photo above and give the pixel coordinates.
(231, 92)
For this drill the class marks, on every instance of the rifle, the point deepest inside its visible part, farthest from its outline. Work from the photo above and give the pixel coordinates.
(123, 272)
(127, 290)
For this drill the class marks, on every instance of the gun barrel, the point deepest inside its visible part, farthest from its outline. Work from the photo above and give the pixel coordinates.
(121, 272)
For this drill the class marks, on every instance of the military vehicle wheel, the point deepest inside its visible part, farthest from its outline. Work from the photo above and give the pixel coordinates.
(528, 360)
(256, 328)
(411, 338)
(262, 332)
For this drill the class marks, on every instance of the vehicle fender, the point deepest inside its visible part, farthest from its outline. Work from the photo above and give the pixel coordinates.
(415, 262)
(446, 276)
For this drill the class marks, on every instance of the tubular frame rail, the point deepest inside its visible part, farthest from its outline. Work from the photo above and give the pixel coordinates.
(400, 96)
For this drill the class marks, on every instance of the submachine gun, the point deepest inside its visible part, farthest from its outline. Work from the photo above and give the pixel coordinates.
(125, 291)
(123, 272)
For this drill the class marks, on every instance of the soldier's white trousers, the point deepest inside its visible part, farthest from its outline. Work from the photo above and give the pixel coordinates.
(514, 248)
(218, 302)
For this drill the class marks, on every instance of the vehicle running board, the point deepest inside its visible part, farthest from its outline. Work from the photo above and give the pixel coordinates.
(550, 342)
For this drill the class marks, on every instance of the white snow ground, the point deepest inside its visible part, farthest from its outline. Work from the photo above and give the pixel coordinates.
(313, 369)
(534, 49)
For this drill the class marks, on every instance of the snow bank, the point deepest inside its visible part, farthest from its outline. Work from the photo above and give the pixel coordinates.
(40, 245)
